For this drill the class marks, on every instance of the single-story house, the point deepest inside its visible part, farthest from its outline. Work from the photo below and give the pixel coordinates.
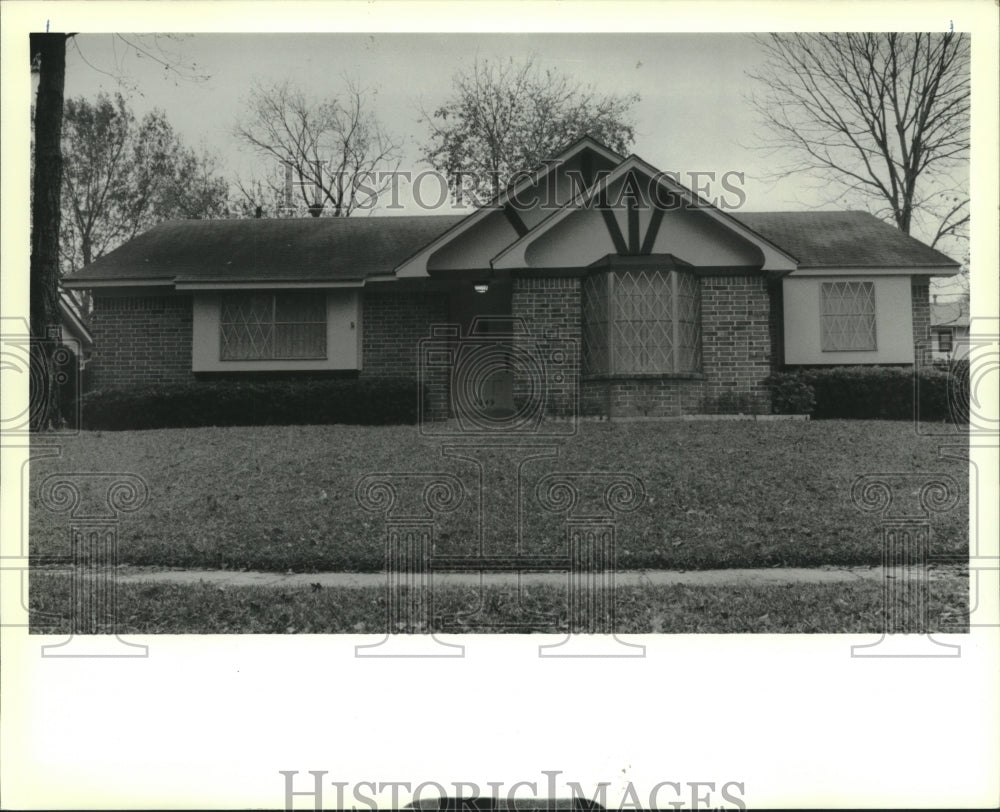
(612, 289)
(949, 329)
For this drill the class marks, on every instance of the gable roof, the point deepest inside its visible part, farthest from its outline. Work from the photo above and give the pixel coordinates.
(330, 249)
(292, 249)
(351, 250)
(774, 256)
(842, 239)
(415, 265)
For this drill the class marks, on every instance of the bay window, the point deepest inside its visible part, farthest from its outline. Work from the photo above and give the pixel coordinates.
(641, 322)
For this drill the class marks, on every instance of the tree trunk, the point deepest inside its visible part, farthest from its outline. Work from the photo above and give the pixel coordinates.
(46, 183)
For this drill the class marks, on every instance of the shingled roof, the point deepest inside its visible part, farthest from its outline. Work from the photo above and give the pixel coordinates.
(291, 249)
(842, 239)
(355, 248)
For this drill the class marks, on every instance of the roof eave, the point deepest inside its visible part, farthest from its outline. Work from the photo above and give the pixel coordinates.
(497, 203)
(912, 270)
(117, 282)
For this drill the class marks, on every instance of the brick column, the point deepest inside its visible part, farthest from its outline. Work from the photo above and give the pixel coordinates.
(776, 324)
(550, 308)
(921, 304)
(736, 343)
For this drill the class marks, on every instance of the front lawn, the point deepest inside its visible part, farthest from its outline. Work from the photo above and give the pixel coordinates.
(849, 607)
(718, 494)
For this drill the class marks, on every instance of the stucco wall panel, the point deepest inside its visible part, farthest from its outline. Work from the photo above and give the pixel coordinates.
(893, 322)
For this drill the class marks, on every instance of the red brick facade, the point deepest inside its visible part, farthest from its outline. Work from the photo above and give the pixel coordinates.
(393, 324)
(736, 339)
(642, 397)
(736, 343)
(141, 340)
(146, 339)
(921, 303)
(550, 308)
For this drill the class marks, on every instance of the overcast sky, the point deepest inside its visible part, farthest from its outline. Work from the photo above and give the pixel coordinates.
(693, 115)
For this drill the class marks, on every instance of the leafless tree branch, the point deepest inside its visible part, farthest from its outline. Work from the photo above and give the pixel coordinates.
(882, 117)
(339, 153)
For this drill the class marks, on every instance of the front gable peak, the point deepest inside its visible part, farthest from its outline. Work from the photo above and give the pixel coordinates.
(637, 210)
(527, 202)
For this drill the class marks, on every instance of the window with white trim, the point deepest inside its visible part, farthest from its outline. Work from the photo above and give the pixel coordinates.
(272, 327)
(944, 341)
(847, 317)
(641, 322)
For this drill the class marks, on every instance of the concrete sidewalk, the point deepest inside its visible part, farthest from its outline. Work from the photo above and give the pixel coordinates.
(355, 580)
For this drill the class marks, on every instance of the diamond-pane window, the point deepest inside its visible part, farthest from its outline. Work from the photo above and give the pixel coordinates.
(273, 326)
(641, 322)
(847, 316)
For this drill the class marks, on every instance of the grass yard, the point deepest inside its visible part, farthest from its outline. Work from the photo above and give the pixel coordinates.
(853, 607)
(718, 494)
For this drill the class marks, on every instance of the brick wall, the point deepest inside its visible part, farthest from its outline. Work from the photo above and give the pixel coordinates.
(776, 324)
(394, 322)
(141, 340)
(641, 397)
(921, 299)
(736, 342)
(550, 307)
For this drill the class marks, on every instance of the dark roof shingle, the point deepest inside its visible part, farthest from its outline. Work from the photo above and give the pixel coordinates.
(838, 239)
(355, 248)
(326, 248)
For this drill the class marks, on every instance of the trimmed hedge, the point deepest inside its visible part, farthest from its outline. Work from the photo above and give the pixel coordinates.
(873, 393)
(252, 403)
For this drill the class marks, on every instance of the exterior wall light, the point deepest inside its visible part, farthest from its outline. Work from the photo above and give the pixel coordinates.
(481, 287)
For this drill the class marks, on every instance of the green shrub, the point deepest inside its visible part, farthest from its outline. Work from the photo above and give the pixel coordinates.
(873, 392)
(253, 403)
(790, 394)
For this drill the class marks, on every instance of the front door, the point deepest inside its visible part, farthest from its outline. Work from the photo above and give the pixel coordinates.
(487, 386)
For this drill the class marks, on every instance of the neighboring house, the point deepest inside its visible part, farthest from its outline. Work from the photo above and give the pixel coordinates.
(73, 330)
(949, 329)
(676, 306)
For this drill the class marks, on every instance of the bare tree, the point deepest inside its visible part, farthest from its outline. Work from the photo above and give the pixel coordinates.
(506, 117)
(122, 175)
(163, 50)
(266, 192)
(340, 155)
(48, 62)
(881, 116)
